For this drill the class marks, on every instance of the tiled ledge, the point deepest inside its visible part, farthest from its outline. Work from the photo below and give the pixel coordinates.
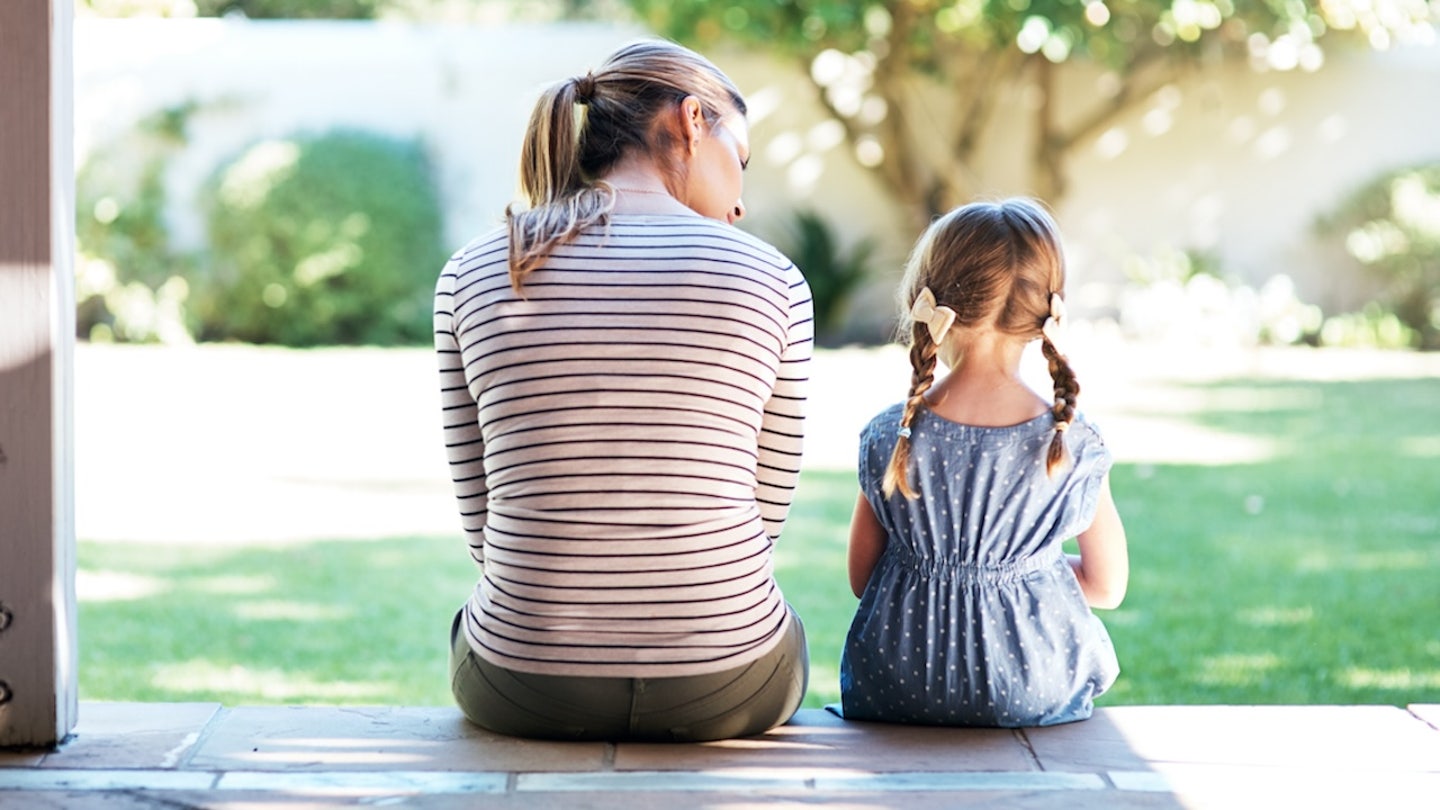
(203, 755)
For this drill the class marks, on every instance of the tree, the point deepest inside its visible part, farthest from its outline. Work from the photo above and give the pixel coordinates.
(879, 66)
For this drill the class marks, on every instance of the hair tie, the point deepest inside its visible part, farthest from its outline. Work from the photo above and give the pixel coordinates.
(936, 319)
(904, 431)
(1056, 320)
(585, 88)
(1061, 427)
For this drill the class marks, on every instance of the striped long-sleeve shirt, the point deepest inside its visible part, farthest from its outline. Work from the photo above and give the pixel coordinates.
(624, 439)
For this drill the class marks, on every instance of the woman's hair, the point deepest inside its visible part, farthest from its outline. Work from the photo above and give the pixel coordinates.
(996, 264)
(582, 127)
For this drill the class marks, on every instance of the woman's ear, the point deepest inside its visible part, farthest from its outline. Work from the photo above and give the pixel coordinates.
(692, 122)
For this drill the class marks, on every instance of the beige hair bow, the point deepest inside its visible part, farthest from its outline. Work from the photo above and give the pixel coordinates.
(937, 319)
(1056, 321)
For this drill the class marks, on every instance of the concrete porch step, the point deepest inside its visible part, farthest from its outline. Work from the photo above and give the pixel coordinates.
(145, 755)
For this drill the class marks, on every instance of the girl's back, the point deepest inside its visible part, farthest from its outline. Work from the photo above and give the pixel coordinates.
(972, 616)
(970, 611)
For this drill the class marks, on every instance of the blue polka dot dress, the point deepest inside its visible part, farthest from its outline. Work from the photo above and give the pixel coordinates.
(972, 616)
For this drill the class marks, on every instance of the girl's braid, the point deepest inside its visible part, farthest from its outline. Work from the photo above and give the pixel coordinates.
(922, 362)
(1067, 391)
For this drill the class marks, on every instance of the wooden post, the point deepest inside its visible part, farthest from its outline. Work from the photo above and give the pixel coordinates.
(38, 700)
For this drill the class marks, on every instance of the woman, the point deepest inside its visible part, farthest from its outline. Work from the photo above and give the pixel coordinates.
(623, 377)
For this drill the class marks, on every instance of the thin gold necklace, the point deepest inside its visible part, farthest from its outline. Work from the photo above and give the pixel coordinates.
(643, 191)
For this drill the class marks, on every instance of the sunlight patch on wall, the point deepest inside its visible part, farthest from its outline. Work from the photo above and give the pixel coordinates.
(1112, 144)
(1273, 143)
(761, 104)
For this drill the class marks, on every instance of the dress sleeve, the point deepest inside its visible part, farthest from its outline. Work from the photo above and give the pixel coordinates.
(869, 470)
(464, 444)
(782, 430)
(1093, 461)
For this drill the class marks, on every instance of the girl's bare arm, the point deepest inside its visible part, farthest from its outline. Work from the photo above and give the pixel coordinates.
(1103, 564)
(867, 542)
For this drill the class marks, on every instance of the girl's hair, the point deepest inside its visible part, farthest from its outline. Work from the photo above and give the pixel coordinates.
(996, 264)
(582, 127)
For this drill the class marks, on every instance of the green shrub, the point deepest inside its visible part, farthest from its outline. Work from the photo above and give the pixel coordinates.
(833, 272)
(1392, 227)
(331, 239)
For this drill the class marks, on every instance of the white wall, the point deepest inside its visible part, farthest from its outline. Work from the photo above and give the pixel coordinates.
(1238, 164)
(1241, 164)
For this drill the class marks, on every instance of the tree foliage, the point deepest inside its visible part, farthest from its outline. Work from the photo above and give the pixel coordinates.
(917, 83)
(1391, 226)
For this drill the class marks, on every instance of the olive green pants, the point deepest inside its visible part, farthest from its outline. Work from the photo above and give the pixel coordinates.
(738, 702)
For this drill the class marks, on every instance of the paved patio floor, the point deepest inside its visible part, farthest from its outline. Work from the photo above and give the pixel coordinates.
(203, 755)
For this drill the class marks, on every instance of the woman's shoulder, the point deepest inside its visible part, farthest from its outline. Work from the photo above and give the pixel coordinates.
(755, 243)
(693, 237)
(699, 231)
(485, 245)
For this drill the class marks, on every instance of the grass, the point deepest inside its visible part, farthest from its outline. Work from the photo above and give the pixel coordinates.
(1311, 576)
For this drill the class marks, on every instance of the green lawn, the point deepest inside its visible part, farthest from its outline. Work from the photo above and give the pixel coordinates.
(1312, 576)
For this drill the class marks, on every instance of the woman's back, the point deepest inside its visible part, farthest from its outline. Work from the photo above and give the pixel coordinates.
(618, 406)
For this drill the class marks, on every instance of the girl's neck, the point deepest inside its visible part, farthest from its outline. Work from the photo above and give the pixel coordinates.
(984, 386)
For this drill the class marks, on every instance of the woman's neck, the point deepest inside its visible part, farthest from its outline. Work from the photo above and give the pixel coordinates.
(640, 189)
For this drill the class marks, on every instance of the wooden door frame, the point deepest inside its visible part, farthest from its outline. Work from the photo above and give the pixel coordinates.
(38, 650)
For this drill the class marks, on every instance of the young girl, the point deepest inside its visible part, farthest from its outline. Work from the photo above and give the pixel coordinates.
(970, 613)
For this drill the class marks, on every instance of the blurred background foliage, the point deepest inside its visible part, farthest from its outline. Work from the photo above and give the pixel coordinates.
(1391, 226)
(310, 240)
(879, 67)
(321, 239)
(835, 270)
(130, 283)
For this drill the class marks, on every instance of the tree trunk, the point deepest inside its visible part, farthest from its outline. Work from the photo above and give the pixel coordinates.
(1047, 154)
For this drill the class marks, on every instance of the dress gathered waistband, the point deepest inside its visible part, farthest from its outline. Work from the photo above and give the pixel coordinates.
(972, 573)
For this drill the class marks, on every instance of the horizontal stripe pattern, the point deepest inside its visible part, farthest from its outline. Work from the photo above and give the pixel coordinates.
(625, 440)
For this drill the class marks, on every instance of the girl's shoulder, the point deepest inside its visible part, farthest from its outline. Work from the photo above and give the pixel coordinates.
(1087, 428)
(885, 422)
